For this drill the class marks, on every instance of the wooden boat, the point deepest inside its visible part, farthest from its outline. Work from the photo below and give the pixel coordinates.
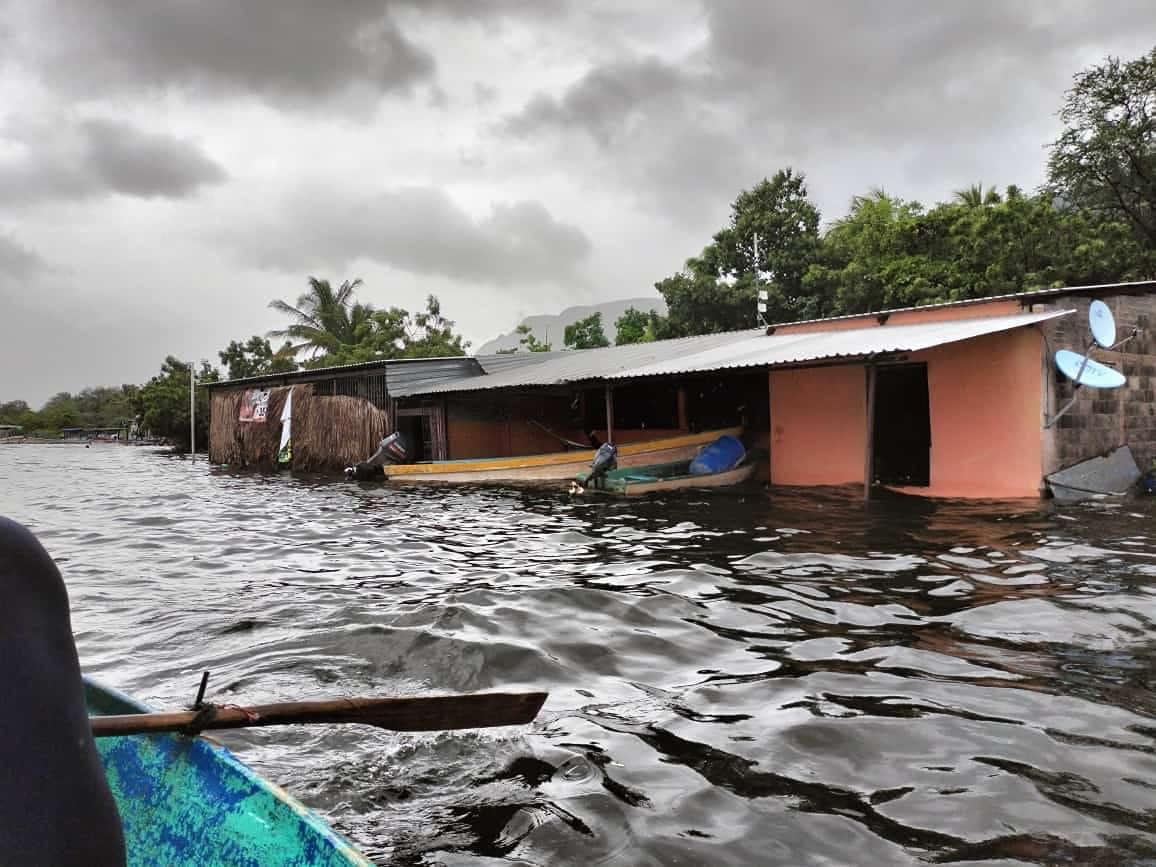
(552, 466)
(670, 476)
(189, 801)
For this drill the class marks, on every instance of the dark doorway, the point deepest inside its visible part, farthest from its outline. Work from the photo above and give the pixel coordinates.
(902, 425)
(416, 430)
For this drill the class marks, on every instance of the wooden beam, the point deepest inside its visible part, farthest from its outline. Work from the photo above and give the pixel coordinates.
(869, 450)
(683, 421)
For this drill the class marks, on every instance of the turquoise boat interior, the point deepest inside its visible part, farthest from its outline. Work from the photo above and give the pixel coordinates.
(190, 801)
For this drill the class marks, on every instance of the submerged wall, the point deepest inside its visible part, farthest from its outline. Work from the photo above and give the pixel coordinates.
(818, 425)
(984, 405)
(330, 432)
(985, 416)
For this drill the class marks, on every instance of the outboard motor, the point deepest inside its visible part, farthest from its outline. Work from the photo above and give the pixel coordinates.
(605, 459)
(391, 450)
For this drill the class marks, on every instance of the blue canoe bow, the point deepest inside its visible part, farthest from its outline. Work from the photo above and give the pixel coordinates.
(189, 801)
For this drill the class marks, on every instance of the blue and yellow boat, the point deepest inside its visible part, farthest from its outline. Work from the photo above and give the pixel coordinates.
(189, 801)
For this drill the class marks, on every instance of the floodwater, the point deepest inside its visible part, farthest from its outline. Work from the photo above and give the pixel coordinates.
(734, 678)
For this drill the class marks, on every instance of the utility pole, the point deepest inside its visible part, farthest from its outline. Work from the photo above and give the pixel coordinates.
(192, 411)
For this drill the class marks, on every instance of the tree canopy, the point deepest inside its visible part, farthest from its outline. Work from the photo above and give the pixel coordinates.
(586, 333)
(332, 327)
(257, 358)
(1105, 159)
(634, 326)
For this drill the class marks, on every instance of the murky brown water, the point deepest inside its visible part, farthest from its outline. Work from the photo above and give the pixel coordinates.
(734, 679)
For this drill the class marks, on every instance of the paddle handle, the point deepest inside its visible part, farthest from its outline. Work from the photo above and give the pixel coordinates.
(418, 714)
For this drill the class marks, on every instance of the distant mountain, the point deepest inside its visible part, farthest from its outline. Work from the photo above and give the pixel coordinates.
(551, 328)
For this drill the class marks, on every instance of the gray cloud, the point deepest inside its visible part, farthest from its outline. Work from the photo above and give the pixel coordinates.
(422, 231)
(17, 261)
(608, 102)
(815, 83)
(58, 160)
(285, 49)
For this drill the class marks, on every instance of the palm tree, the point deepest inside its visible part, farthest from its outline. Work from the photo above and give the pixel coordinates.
(976, 197)
(324, 317)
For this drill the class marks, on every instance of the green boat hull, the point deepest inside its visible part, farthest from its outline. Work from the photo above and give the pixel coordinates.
(189, 801)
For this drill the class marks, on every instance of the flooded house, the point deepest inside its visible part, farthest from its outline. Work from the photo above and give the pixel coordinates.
(951, 400)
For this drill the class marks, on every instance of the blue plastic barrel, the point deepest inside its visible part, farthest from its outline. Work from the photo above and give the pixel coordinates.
(718, 457)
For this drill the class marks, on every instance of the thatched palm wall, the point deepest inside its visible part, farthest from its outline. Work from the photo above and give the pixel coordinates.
(329, 432)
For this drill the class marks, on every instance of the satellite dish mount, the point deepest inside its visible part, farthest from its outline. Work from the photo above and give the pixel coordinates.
(1083, 369)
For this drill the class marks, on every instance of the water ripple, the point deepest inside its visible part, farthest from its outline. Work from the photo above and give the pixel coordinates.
(734, 679)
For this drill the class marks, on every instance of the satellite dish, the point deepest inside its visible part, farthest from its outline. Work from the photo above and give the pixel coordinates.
(1102, 323)
(1085, 371)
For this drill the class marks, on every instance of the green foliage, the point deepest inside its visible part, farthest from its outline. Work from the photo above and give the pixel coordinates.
(335, 329)
(586, 333)
(163, 402)
(771, 242)
(529, 341)
(634, 326)
(257, 358)
(889, 253)
(1105, 159)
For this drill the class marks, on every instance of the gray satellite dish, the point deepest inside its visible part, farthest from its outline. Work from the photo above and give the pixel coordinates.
(1084, 371)
(1102, 323)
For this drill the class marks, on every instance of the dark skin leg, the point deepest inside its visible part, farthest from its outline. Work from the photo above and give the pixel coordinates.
(55, 805)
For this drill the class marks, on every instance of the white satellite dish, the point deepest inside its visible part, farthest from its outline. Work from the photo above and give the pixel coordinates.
(1102, 323)
(1084, 371)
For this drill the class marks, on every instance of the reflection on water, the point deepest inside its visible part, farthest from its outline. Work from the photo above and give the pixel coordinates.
(734, 679)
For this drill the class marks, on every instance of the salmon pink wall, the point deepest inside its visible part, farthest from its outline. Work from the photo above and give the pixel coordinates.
(986, 416)
(818, 425)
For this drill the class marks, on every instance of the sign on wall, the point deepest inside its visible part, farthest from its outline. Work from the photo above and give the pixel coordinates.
(254, 405)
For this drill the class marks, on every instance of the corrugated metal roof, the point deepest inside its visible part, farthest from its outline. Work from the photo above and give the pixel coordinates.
(781, 349)
(738, 349)
(559, 368)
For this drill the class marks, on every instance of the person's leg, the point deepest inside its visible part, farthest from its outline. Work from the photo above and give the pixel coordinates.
(55, 804)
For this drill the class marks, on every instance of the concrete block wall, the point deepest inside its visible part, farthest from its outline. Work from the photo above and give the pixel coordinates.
(1102, 420)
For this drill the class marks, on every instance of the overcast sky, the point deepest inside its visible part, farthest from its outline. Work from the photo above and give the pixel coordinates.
(167, 167)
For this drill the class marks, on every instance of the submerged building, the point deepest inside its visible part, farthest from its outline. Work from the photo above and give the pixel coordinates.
(953, 400)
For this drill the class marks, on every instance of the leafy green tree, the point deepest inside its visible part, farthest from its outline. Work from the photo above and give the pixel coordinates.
(529, 341)
(586, 333)
(163, 402)
(771, 242)
(12, 411)
(431, 335)
(633, 326)
(1105, 159)
(256, 357)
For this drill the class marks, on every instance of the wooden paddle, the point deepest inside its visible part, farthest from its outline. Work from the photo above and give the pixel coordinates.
(418, 714)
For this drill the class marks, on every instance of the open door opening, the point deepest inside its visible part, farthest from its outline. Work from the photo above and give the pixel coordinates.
(902, 442)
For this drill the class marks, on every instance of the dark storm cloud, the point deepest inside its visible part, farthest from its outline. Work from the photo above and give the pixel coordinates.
(422, 230)
(296, 49)
(56, 160)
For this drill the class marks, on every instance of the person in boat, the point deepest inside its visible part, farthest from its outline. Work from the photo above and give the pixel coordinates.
(55, 803)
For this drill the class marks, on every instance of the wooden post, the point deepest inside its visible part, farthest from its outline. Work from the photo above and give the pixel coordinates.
(609, 413)
(869, 450)
(683, 422)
